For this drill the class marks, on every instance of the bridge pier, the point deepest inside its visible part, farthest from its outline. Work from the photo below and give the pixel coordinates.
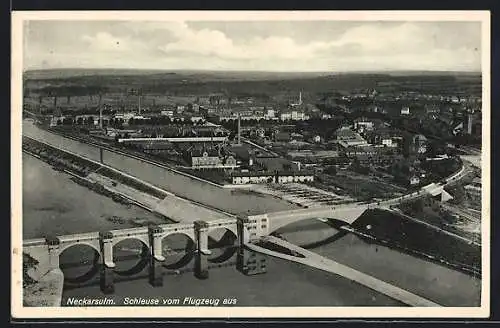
(243, 234)
(107, 265)
(156, 258)
(248, 262)
(54, 252)
(202, 252)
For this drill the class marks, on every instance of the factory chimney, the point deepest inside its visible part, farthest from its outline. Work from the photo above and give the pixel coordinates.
(239, 129)
(56, 111)
(40, 100)
(469, 122)
(139, 104)
(100, 111)
(300, 97)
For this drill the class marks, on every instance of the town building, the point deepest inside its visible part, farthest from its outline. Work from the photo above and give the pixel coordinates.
(204, 159)
(269, 113)
(285, 116)
(474, 189)
(168, 113)
(348, 138)
(362, 124)
(248, 177)
(405, 110)
(196, 119)
(420, 143)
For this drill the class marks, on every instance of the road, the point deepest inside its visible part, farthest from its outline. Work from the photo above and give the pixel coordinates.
(350, 212)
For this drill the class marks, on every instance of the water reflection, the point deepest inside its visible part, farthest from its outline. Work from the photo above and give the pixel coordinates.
(178, 250)
(81, 264)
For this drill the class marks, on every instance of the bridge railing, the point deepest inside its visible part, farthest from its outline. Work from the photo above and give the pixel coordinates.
(179, 226)
(34, 242)
(129, 231)
(80, 236)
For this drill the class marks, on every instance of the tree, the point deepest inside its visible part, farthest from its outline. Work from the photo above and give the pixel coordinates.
(28, 263)
(331, 170)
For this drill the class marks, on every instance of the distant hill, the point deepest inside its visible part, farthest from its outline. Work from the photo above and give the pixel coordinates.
(50, 74)
(206, 75)
(241, 83)
(62, 73)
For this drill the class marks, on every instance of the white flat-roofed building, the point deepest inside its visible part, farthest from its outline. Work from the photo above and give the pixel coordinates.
(168, 112)
(405, 110)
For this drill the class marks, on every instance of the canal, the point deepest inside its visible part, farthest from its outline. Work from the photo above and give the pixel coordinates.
(231, 201)
(53, 204)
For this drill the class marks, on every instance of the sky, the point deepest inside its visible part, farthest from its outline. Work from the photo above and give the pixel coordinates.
(299, 46)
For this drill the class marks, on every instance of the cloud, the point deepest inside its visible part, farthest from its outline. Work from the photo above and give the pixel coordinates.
(103, 41)
(177, 44)
(397, 42)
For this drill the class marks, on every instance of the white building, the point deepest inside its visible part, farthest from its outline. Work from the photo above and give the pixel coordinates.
(405, 110)
(414, 180)
(169, 113)
(269, 113)
(363, 125)
(124, 116)
(298, 116)
(388, 142)
(196, 119)
(286, 116)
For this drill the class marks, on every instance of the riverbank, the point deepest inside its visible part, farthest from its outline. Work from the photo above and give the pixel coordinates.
(121, 187)
(47, 291)
(99, 143)
(192, 190)
(418, 239)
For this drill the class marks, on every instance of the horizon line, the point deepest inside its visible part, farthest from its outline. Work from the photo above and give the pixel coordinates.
(243, 70)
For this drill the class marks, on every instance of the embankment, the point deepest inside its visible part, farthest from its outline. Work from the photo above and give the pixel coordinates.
(417, 239)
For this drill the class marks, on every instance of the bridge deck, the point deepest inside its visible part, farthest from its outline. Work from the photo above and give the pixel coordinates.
(316, 261)
(79, 236)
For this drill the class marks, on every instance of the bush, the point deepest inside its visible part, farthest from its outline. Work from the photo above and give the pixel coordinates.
(28, 263)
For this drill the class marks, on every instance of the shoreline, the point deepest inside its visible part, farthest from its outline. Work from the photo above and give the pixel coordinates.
(91, 166)
(46, 292)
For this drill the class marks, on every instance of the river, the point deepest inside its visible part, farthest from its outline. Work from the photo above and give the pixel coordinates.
(53, 204)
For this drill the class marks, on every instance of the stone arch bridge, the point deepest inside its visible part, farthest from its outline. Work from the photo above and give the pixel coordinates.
(246, 230)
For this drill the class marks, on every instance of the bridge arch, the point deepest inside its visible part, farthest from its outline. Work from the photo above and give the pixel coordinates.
(181, 256)
(94, 245)
(226, 246)
(80, 269)
(144, 239)
(187, 233)
(347, 214)
(141, 259)
(231, 227)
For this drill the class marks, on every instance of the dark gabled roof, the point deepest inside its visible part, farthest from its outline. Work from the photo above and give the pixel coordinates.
(199, 153)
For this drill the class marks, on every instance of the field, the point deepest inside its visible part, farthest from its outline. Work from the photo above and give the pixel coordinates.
(162, 87)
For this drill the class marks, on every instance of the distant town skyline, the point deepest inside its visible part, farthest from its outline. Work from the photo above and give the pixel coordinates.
(299, 46)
